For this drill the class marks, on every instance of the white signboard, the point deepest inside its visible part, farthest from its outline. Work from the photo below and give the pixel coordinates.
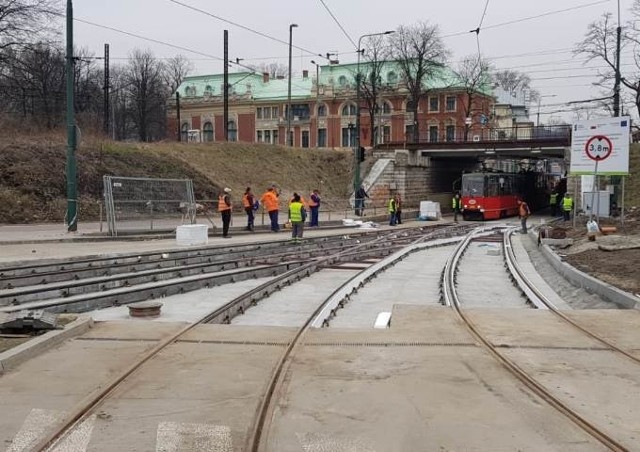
(604, 141)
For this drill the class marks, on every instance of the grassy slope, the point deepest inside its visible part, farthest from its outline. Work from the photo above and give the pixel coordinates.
(33, 187)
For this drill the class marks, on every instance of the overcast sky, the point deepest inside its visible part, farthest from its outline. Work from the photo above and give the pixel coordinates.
(539, 46)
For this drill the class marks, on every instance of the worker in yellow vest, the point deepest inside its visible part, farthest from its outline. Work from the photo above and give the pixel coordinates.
(567, 206)
(553, 203)
(456, 203)
(297, 215)
(392, 211)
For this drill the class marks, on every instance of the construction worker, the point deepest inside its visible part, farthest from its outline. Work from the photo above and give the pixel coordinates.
(456, 203)
(248, 202)
(553, 203)
(398, 199)
(271, 204)
(314, 205)
(224, 207)
(567, 206)
(359, 196)
(297, 215)
(392, 211)
(523, 213)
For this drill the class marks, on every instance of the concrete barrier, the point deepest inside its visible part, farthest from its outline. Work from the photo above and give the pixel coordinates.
(15, 356)
(587, 282)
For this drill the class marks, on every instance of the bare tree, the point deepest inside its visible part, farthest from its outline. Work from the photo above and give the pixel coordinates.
(23, 21)
(371, 86)
(176, 69)
(473, 76)
(420, 53)
(146, 94)
(274, 69)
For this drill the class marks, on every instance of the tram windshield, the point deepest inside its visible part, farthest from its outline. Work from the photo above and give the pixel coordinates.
(473, 185)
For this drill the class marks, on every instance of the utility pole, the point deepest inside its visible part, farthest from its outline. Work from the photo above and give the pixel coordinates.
(106, 90)
(72, 196)
(289, 141)
(178, 115)
(225, 93)
(616, 87)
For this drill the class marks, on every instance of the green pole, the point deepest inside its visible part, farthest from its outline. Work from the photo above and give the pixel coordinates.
(72, 197)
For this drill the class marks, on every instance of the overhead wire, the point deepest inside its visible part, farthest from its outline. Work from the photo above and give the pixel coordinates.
(335, 19)
(244, 27)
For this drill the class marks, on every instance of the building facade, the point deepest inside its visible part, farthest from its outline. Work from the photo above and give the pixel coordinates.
(323, 109)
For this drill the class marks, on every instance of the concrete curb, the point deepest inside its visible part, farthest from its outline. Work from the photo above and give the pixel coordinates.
(23, 352)
(587, 282)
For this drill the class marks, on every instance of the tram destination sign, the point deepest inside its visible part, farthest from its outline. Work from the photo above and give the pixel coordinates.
(604, 141)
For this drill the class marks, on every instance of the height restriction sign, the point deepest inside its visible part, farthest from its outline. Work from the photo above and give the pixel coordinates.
(604, 142)
(598, 148)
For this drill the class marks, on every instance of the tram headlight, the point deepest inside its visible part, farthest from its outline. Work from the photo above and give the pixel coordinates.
(465, 207)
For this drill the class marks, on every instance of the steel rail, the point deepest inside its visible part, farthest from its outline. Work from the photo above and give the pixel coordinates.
(451, 298)
(79, 412)
(542, 299)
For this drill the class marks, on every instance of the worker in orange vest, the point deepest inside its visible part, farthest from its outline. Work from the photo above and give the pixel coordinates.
(248, 202)
(314, 205)
(271, 204)
(523, 213)
(224, 207)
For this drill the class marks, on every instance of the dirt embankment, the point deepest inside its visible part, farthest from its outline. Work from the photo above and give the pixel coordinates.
(33, 183)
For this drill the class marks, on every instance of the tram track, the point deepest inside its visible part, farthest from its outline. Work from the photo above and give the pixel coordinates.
(451, 299)
(380, 246)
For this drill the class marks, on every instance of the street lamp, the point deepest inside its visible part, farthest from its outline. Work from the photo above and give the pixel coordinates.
(317, 99)
(356, 150)
(288, 140)
(538, 115)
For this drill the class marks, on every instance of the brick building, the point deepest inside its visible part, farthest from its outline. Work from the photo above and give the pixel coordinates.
(323, 109)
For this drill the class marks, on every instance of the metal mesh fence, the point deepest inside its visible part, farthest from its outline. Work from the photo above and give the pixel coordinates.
(141, 204)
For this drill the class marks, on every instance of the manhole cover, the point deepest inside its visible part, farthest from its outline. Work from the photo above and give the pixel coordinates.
(145, 309)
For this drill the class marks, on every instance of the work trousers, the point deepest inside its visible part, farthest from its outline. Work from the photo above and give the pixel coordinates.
(314, 216)
(226, 221)
(523, 223)
(250, 218)
(297, 227)
(567, 215)
(273, 216)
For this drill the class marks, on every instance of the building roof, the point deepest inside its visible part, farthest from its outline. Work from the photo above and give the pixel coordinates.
(340, 76)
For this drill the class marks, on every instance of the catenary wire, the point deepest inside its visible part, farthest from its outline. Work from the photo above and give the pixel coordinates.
(335, 19)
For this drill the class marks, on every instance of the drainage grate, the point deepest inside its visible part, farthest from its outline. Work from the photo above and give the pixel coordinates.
(391, 344)
(115, 339)
(553, 347)
(265, 343)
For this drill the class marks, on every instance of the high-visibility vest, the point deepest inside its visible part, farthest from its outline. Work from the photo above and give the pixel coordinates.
(295, 211)
(392, 205)
(455, 203)
(222, 206)
(270, 201)
(246, 202)
(524, 210)
(567, 204)
(553, 198)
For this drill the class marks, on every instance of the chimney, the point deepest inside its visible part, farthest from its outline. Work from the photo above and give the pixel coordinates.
(265, 77)
(305, 74)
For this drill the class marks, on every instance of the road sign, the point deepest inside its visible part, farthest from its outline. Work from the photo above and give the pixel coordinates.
(598, 148)
(604, 141)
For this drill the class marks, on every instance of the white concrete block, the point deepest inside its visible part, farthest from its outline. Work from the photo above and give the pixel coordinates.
(383, 319)
(192, 234)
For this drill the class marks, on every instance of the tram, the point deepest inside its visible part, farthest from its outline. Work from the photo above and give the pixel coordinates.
(492, 195)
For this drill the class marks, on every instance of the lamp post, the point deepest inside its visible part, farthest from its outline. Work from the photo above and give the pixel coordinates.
(317, 100)
(356, 150)
(287, 139)
(538, 115)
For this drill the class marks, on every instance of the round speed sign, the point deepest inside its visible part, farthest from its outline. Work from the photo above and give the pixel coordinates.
(598, 147)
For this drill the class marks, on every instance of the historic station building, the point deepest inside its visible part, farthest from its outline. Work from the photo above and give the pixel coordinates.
(323, 109)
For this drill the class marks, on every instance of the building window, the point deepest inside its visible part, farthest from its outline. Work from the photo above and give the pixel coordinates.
(348, 137)
(259, 113)
(184, 132)
(305, 138)
(433, 134)
(434, 104)
(386, 108)
(408, 132)
(291, 142)
(451, 103)
(450, 133)
(392, 78)
(322, 138)
(232, 131)
(274, 136)
(299, 112)
(386, 134)
(267, 136)
(207, 131)
(322, 111)
(274, 112)
(342, 81)
(349, 110)
(259, 138)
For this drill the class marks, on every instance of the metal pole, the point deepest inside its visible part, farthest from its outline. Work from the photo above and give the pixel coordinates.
(106, 90)
(593, 191)
(622, 207)
(356, 150)
(575, 201)
(178, 116)
(225, 107)
(72, 201)
(289, 140)
(616, 86)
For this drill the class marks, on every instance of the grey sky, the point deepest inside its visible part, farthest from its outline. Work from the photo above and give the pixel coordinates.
(546, 41)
